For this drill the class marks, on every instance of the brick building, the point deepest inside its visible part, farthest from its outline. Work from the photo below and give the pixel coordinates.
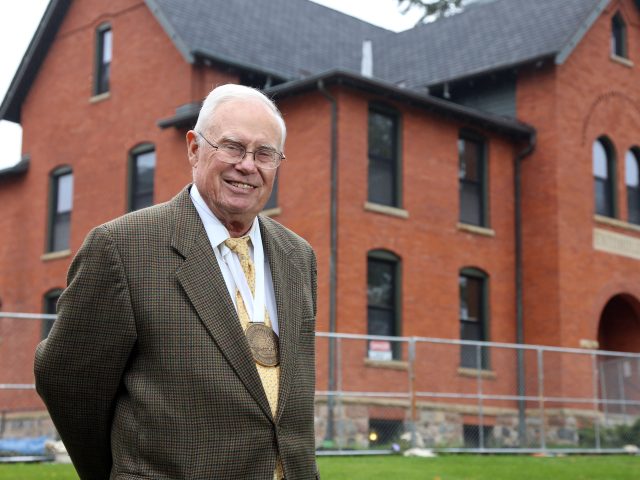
(475, 178)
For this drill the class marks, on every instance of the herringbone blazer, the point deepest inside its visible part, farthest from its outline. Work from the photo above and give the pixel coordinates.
(147, 373)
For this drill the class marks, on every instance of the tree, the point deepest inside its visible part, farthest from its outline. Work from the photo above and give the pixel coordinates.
(432, 9)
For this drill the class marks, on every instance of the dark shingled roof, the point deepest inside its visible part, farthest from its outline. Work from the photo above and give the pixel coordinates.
(485, 37)
(290, 38)
(294, 38)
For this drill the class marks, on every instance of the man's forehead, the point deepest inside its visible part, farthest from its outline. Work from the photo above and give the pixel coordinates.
(235, 118)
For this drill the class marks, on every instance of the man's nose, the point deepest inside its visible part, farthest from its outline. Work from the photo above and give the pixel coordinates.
(248, 163)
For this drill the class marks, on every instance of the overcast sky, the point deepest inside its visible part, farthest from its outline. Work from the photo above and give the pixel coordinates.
(19, 20)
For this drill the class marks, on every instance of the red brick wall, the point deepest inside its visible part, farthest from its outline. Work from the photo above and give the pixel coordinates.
(431, 247)
(568, 282)
(61, 126)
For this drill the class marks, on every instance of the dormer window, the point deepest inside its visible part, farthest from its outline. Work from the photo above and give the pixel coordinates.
(618, 36)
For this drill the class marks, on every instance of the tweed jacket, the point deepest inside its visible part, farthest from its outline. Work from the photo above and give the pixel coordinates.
(147, 373)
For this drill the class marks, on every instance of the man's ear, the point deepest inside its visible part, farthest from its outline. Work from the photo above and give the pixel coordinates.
(192, 147)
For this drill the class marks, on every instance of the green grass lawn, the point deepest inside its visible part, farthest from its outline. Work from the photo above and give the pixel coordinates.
(448, 467)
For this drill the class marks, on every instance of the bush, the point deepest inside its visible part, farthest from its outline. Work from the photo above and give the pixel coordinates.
(612, 437)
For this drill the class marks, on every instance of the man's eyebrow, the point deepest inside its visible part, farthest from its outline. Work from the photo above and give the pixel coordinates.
(230, 139)
(233, 139)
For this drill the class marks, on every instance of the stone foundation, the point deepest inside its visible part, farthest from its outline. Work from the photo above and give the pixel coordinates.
(26, 424)
(443, 425)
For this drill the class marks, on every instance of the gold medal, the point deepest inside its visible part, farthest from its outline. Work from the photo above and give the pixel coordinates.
(263, 343)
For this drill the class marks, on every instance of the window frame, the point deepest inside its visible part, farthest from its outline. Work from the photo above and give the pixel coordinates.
(47, 298)
(619, 37)
(101, 69)
(394, 162)
(633, 192)
(484, 320)
(53, 216)
(482, 183)
(389, 258)
(610, 208)
(132, 178)
(272, 201)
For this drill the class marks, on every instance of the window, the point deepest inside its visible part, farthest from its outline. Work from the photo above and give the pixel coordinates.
(142, 166)
(104, 50)
(632, 180)
(384, 164)
(603, 176)
(383, 296)
(60, 206)
(50, 302)
(273, 199)
(472, 177)
(471, 435)
(383, 432)
(473, 317)
(618, 36)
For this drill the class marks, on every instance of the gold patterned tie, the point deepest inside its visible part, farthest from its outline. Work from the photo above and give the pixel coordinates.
(270, 376)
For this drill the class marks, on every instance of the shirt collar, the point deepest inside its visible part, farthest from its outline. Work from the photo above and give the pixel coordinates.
(216, 231)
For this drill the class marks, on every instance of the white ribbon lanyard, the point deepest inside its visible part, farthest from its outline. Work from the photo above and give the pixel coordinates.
(255, 306)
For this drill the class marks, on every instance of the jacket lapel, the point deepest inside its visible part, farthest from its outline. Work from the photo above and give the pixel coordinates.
(202, 281)
(285, 275)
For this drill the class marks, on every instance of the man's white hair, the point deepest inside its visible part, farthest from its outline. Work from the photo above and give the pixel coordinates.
(231, 91)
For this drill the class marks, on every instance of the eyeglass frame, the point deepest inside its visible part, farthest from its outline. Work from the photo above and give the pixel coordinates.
(244, 154)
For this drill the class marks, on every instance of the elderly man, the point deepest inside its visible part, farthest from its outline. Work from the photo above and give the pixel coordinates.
(184, 344)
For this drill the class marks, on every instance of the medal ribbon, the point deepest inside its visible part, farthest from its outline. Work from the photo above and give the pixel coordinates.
(251, 290)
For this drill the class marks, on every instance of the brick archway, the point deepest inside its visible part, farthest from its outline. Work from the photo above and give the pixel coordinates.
(619, 326)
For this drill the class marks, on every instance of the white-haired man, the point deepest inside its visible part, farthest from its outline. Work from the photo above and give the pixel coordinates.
(184, 344)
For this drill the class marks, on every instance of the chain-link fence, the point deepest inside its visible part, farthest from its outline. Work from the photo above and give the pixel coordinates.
(385, 393)
(377, 394)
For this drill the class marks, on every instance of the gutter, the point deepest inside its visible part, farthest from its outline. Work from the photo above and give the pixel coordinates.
(517, 181)
(333, 256)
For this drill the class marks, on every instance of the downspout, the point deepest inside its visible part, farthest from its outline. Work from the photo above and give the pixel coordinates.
(333, 260)
(517, 174)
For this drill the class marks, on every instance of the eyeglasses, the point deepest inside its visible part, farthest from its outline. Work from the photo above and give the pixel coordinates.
(232, 153)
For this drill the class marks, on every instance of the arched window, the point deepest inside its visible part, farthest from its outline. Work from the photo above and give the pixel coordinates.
(49, 303)
(603, 177)
(383, 303)
(104, 54)
(474, 317)
(60, 206)
(632, 180)
(618, 36)
(142, 167)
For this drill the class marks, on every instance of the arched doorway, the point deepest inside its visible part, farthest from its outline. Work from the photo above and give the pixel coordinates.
(619, 328)
(619, 331)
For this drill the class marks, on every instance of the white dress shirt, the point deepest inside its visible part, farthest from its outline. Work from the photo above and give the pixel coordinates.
(228, 260)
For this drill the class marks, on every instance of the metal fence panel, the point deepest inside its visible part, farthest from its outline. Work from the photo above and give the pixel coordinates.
(377, 394)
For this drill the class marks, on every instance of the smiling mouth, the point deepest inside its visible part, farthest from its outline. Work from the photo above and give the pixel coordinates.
(244, 186)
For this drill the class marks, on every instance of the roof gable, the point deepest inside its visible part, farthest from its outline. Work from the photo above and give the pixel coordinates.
(33, 58)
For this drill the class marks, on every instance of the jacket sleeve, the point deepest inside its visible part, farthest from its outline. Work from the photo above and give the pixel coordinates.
(78, 368)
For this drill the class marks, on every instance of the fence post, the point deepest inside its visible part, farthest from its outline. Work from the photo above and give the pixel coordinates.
(338, 396)
(480, 405)
(596, 402)
(543, 435)
(412, 391)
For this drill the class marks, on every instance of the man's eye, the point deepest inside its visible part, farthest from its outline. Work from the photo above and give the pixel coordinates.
(265, 154)
(232, 149)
